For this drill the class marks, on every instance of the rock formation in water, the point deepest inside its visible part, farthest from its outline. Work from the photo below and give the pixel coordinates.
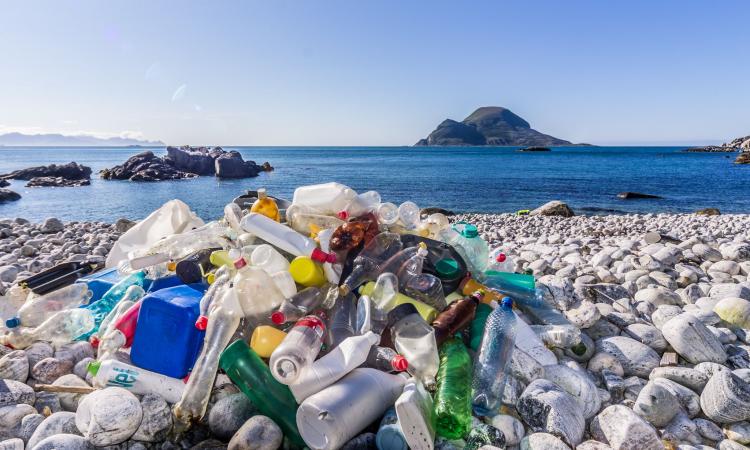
(69, 171)
(491, 126)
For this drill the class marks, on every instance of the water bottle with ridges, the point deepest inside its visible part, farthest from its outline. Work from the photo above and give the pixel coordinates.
(453, 397)
(298, 350)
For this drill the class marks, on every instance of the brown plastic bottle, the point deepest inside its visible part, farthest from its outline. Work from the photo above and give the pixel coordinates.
(456, 317)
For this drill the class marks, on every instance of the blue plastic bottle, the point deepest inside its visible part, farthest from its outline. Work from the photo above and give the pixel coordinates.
(100, 308)
(166, 339)
(493, 359)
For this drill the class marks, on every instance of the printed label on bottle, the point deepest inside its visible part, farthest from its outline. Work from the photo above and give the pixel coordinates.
(122, 378)
(312, 322)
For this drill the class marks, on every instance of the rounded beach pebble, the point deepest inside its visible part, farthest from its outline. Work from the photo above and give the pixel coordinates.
(13, 392)
(540, 441)
(11, 444)
(64, 441)
(258, 433)
(726, 398)
(229, 414)
(109, 416)
(15, 366)
(636, 358)
(57, 423)
(157, 419)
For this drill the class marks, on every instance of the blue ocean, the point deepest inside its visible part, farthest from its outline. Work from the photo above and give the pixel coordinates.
(463, 179)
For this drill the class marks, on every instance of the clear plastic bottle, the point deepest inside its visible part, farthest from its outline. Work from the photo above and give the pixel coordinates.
(119, 333)
(369, 317)
(360, 205)
(305, 220)
(298, 349)
(269, 259)
(299, 305)
(464, 237)
(232, 216)
(367, 265)
(426, 288)
(37, 309)
(493, 359)
(284, 237)
(412, 267)
(177, 246)
(500, 261)
(387, 213)
(100, 308)
(61, 328)
(257, 293)
(223, 321)
(328, 198)
(342, 320)
(222, 277)
(409, 215)
(385, 291)
(433, 226)
(385, 359)
(415, 340)
(266, 205)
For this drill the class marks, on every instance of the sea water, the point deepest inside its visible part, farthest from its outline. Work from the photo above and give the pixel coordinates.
(461, 179)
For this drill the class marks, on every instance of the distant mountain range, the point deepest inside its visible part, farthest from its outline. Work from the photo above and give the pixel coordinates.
(20, 139)
(490, 126)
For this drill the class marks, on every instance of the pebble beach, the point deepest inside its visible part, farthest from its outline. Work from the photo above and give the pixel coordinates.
(662, 300)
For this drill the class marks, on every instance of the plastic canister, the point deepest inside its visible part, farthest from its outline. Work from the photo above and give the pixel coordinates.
(330, 418)
(265, 339)
(414, 411)
(166, 340)
(328, 198)
(307, 272)
(427, 312)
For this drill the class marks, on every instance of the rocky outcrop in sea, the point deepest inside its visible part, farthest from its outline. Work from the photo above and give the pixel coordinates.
(69, 171)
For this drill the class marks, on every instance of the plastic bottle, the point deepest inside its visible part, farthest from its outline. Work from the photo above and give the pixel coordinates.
(348, 235)
(232, 216)
(389, 436)
(367, 265)
(273, 399)
(384, 292)
(303, 219)
(334, 365)
(307, 272)
(275, 265)
(476, 329)
(119, 333)
(333, 416)
(360, 205)
(332, 271)
(427, 312)
(412, 266)
(464, 237)
(433, 226)
(266, 206)
(37, 309)
(136, 380)
(414, 409)
(177, 246)
(298, 349)
(265, 339)
(469, 285)
(59, 329)
(328, 198)
(500, 261)
(223, 276)
(103, 306)
(258, 294)
(426, 288)
(342, 320)
(284, 237)
(453, 396)
(299, 305)
(370, 317)
(223, 321)
(132, 296)
(409, 215)
(387, 213)
(493, 359)
(385, 359)
(415, 340)
(456, 317)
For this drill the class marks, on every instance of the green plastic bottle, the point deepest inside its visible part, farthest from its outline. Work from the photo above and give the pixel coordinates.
(453, 397)
(273, 399)
(476, 329)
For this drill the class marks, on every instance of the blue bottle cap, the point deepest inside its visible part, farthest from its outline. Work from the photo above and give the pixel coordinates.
(12, 323)
(507, 303)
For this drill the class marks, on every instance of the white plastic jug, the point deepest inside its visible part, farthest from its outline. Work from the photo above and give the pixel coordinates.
(330, 418)
(275, 265)
(138, 381)
(328, 198)
(347, 356)
(283, 237)
(414, 411)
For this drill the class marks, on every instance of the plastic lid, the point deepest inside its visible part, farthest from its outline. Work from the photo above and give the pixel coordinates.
(501, 257)
(469, 231)
(261, 193)
(506, 303)
(240, 263)
(13, 322)
(278, 317)
(343, 215)
(94, 341)
(400, 312)
(93, 367)
(447, 268)
(201, 323)
(307, 272)
(399, 363)
(323, 257)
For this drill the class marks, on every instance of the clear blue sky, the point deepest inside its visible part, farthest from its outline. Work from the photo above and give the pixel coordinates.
(343, 72)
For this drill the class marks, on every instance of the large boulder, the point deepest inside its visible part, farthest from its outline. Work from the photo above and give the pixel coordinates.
(197, 160)
(145, 166)
(69, 171)
(231, 165)
(6, 195)
(693, 341)
(553, 208)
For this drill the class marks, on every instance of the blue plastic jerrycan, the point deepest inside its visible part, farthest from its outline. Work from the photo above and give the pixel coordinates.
(166, 339)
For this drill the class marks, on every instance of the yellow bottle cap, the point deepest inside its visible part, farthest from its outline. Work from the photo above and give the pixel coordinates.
(221, 258)
(307, 272)
(265, 339)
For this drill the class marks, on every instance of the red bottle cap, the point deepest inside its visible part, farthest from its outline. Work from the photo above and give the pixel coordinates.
(278, 317)
(94, 341)
(240, 263)
(343, 215)
(399, 363)
(322, 257)
(201, 323)
(187, 377)
(501, 257)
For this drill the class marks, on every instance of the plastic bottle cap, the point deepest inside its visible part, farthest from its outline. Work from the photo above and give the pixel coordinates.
(343, 215)
(262, 193)
(323, 257)
(201, 323)
(399, 363)
(93, 367)
(240, 263)
(13, 322)
(278, 317)
(501, 257)
(307, 272)
(469, 231)
(447, 268)
(400, 312)
(506, 303)
(94, 341)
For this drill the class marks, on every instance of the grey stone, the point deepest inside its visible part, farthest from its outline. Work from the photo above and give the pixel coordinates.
(52, 225)
(13, 392)
(69, 401)
(11, 417)
(727, 444)
(726, 398)
(15, 366)
(688, 399)
(38, 351)
(47, 403)
(29, 424)
(693, 340)
(157, 419)
(109, 416)
(636, 358)
(708, 429)
(720, 291)
(57, 423)
(625, 430)
(12, 444)
(8, 273)
(64, 441)
(81, 367)
(658, 296)
(511, 427)
(543, 441)
(663, 314)
(576, 384)
(738, 432)
(647, 334)
(50, 369)
(686, 376)
(546, 407)
(656, 404)
(229, 414)
(258, 433)
(593, 445)
(681, 429)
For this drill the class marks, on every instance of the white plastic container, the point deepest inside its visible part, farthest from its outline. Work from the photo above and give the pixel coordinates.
(347, 356)
(136, 380)
(283, 237)
(275, 265)
(529, 343)
(330, 418)
(414, 411)
(328, 198)
(360, 205)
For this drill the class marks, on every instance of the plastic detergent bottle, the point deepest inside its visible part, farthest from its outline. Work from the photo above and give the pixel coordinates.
(301, 219)
(415, 339)
(61, 328)
(109, 300)
(330, 418)
(299, 305)
(258, 294)
(385, 359)
(389, 436)
(493, 359)
(266, 205)
(334, 365)
(453, 396)
(367, 264)
(414, 410)
(265, 339)
(37, 309)
(328, 198)
(273, 399)
(136, 380)
(456, 317)
(307, 272)
(298, 350)
(284, 237)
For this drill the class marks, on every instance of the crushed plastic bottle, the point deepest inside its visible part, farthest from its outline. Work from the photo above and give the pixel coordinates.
(100, 308)
(493, 359)
(360, 205)
(61, 328)
(453, 395)
(298, 350)
(257, 293)
(39, 308)
(342, 320)
(367, 265)
(415, 340)
(299, 305)
(266, 205)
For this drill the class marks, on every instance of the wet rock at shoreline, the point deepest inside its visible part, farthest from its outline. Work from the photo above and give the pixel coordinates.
(56, 182)
(6, 195)
(553, 208)
(69, 171)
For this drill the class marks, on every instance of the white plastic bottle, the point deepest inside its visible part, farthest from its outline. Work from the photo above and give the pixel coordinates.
(285, 238)
(328, 198)
(500, 261)
(347, 356)
(136, 380)
(387, 213)
(275, 265)
(360, 205)
(298, 350)
(414, 411)
(330, 418)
